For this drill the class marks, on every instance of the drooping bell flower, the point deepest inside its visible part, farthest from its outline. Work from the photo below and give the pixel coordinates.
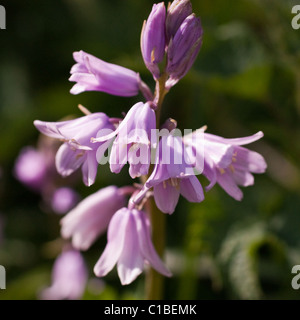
(90, 218)
(183, 49)
(69, 277)
(129, 246)
(135, 137)
(93, 74)
(153, 39)
(173, 175)
(77, 149)
(177, 12)
(229, 164)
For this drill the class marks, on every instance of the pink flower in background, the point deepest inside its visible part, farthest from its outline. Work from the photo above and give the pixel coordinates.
(31, 168)
(64, 199)
(129, 246)
(69, 277)
(91, 217)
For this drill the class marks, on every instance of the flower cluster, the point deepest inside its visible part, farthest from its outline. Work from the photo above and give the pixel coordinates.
(167, 161)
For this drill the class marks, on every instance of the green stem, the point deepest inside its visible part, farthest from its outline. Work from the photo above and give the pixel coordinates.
(154, 280)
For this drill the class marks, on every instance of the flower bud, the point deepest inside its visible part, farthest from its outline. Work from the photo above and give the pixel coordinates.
(153, 39)
(183, 49)
(178, 11)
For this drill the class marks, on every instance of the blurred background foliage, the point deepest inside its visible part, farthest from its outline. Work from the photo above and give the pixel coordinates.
(245, 79)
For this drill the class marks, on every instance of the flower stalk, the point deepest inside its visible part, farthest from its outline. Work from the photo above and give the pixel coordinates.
(154, 285)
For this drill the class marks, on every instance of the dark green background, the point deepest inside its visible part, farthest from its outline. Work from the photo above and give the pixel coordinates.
(245, 79)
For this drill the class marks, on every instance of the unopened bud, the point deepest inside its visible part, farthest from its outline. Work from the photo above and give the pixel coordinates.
(178, 11)
(183, 49)
(153, 39)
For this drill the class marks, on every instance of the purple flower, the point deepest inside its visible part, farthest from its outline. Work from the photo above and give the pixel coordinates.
(172, 175)
(91, 217)
(77, 150)
(64, 199)
(134, 141)
(177, 12)
(153, 39)
(69, 277)
(229, 164)
(31, 168)
(93, 74)
(129, 246)
(183, 49)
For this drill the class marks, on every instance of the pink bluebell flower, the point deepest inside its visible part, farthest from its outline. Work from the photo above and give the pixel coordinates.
(69, 277)
(134, 141)
(183, 49)
(93, 74)
(153, 39)
(90, 218)
(229, 164)
(172, 175)
(77, 149)
(129, 246)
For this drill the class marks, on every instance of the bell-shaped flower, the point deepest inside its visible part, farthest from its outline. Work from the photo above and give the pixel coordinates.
(77, 149)
(129, 246)
(90, 218)
(135, 137)
(227, 163)
(178, 11)
(93, 74)
(69, 277)
(183, 49)
(153, 39)
(172, 175)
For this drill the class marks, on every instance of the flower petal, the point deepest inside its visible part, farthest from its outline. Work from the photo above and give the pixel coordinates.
(89, 169)
(91, 217)
(236, 141)
(115, 243)
(226, 181)
(166, 197)
(130, 263)
(243, 178)
(68, 160)
(145, 243)
(249, 160)
(191, 189)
